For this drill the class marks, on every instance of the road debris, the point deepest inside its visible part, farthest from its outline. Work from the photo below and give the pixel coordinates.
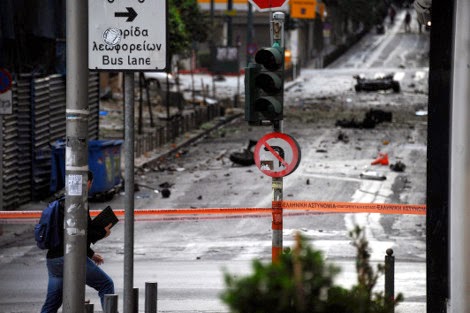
(374, 84)
(382, 159)
(343, 137)
(371, 119)
(165, 193)
(245, 157)
(373, 175)
(398, 167)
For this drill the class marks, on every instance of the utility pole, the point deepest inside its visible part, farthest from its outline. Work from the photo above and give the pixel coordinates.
(76, 158)
(460, 163)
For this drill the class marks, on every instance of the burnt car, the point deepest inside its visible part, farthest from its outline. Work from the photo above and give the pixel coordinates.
(374, 84)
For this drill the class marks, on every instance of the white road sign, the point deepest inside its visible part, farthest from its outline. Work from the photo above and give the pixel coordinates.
(127, 35)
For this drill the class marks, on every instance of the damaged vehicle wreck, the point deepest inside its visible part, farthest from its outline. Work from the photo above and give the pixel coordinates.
(374, 84)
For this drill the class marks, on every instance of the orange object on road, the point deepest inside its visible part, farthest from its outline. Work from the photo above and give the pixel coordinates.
(382, 159)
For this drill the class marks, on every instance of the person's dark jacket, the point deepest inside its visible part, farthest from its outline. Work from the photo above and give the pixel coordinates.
(94, 234)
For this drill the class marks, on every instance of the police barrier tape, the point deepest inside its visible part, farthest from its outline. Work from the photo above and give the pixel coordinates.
(315, 206)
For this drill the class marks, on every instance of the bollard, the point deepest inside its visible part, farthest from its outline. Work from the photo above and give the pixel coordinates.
(89, 308)
(110, 303)
(151, 290)
(136, 300)
(390, 276)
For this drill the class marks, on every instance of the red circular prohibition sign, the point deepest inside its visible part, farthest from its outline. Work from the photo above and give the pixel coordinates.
(288, 161)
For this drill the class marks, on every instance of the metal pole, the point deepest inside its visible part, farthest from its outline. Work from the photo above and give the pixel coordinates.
(141, 103)
(229, 23)
(151, 292)
(89, 307)
(460, 163)
(390, 276)
(1, 166)
(110, 303)
(249, 32)
(136, 300)
(277, 222)
(76, 158)
(129, 196)
(277, 36)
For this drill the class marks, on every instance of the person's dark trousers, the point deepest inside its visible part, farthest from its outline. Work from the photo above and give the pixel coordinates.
(95, 278)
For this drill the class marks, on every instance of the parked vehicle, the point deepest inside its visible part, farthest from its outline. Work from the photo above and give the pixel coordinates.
(374, 84)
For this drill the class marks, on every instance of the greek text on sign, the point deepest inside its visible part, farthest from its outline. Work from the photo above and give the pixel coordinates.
(277, 154)
(127, 35)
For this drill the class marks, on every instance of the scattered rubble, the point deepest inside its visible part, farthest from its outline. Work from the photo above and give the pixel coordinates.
(245, 157)
(373, 175)
(374, 84)
(398, 167)
(371, 119)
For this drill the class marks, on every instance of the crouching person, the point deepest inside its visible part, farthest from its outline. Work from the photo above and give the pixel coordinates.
(95, 276)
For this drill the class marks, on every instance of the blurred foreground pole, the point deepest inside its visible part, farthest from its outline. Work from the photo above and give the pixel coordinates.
(76, 158)
(460, 163)
(129, 192)
(438, 158)
(390, 276)
(151, 295)
(110, 303)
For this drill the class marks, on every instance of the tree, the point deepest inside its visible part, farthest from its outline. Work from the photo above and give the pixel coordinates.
(187, 24)
(302, 282)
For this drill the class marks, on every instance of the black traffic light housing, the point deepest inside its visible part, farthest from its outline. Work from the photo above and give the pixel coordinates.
(264, 86)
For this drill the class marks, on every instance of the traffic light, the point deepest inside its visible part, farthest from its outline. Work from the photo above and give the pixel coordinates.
(264, 86)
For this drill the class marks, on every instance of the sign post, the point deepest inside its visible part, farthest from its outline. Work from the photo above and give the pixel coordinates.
(277, 155)
(128, 35)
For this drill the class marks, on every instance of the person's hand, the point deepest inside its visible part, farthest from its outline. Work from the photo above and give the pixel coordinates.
(108, 230)
(98, 259)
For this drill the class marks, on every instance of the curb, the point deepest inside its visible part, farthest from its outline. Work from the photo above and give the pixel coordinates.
(140, 162)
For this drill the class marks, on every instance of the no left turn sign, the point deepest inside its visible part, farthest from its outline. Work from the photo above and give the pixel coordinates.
(277, 154)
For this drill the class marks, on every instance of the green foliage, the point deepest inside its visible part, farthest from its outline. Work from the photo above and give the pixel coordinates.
(187, 24)
(301, 282)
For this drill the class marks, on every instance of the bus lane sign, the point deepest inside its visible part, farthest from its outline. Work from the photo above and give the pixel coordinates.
(127, 35)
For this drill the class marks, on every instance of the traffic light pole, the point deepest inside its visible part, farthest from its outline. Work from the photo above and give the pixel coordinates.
(264, 101)
(277, 36)
(277, 211)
